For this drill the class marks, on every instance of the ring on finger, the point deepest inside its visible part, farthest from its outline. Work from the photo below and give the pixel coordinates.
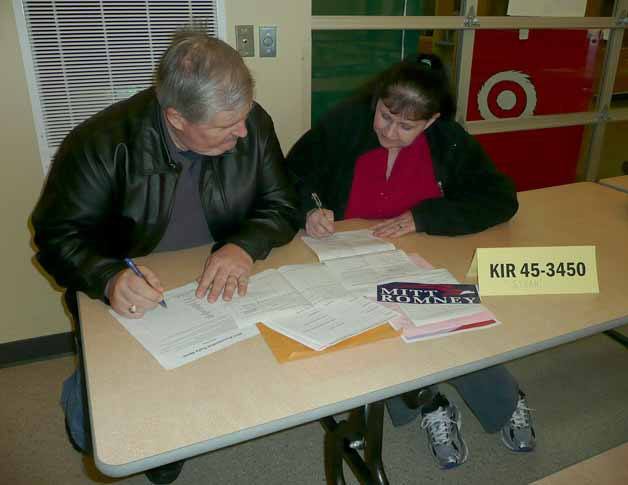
(133, 309)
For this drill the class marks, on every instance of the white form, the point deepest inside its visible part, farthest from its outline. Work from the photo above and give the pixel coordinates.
(335, 314)
(348, 243)
(320, 326)
(361, 274)
(315, 282)
(268, 293)
(188, 329)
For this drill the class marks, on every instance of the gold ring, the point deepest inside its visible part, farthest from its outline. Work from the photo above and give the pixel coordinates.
(132, 309)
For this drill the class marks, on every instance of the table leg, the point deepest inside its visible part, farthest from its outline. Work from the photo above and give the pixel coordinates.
(362, 431)
(618, 337)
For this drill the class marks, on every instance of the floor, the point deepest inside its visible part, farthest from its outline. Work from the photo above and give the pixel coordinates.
(579, 392)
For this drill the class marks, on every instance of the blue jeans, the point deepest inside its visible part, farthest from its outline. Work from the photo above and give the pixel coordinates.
(74, 404)
(491, 394)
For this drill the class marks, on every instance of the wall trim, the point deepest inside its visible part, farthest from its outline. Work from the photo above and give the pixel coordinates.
(36, 348)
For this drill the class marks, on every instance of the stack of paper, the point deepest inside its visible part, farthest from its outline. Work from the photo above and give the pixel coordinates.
(313, 309)
(318, 305)
(423, 321)
(304, 302)
(361, 261)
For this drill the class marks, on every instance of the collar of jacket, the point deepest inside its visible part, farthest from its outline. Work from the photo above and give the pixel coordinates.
(150, 145)
(152, 148)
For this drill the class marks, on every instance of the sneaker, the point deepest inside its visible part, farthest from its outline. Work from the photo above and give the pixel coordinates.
(442, 423)
(164, 474)
(518, 433)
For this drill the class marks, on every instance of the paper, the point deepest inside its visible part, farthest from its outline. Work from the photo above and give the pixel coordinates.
(547, 8)
(320, 327)
(451, 331)
(268, 293)
(348, 243)
(315, 282)
(188, 329)
(361, 274)
(537, 270)
(438, 318)
(308, 304)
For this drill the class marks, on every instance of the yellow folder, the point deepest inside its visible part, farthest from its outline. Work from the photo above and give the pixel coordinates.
(286, 349)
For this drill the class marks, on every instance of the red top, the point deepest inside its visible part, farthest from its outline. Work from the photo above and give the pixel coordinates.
(411, 181)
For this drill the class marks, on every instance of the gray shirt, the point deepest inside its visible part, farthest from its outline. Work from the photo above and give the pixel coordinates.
(187, 226)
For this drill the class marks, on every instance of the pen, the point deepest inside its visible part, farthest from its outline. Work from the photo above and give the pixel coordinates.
(319, 206)
(317, 201)
(129, 262)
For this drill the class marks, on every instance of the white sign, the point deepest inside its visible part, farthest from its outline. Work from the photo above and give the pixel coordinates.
(547, 8)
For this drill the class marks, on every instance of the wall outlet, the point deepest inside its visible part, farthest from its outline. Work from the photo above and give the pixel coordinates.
(245, 43)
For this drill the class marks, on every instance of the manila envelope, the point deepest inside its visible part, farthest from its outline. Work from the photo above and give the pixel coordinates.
(285, 349)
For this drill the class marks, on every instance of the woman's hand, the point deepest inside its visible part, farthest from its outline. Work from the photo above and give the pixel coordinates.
(319, 223)
(395, 227)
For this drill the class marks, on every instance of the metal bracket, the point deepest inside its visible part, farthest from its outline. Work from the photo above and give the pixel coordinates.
(471, 20)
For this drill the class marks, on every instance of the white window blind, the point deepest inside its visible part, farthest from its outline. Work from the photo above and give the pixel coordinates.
(83, 55)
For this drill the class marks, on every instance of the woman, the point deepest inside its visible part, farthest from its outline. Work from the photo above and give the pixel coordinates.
(394, 153)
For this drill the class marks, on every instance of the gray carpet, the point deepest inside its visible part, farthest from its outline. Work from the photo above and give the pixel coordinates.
(579, 392)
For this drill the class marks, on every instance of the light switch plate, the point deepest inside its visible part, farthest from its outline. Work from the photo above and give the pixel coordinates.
(245, 41)
(268, 41)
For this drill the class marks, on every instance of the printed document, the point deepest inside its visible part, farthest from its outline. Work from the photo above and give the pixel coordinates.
(188, 329)
(361, 274)
(348, 243)
(320, 311)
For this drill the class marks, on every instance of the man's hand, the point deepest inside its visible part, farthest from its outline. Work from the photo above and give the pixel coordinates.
(319, 223)
(225, 270)
(395, 227)
(130, 296)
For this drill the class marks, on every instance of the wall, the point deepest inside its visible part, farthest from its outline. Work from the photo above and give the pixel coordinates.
(281, 81)
(31, 306)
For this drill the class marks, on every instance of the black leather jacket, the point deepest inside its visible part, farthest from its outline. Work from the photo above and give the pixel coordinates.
(111, 188)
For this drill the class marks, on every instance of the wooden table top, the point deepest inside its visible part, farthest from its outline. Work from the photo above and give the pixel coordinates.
(618, 183)
(144, 416)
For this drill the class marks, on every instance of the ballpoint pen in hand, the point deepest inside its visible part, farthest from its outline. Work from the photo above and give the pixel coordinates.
(319, 207)
(317, 201)
(129, 262)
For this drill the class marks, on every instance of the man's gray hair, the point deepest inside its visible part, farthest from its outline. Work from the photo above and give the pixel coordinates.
(199, 76)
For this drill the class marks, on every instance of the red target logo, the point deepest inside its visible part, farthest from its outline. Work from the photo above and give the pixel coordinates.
(507, 94)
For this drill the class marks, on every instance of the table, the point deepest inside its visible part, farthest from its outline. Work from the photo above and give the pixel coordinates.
(144, 416)
(618, 183)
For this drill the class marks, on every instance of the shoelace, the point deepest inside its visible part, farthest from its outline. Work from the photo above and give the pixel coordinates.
(438, 424)
(521, 416)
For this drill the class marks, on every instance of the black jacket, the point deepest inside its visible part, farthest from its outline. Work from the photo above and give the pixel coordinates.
(475, 195)
(110, 191)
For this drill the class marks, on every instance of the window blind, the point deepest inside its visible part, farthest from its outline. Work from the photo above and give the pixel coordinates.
(83, 55)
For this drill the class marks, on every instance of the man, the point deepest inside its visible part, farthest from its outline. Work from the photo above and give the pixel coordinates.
(192, 161)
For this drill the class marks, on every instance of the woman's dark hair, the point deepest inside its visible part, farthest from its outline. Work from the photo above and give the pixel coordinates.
(416, 88)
